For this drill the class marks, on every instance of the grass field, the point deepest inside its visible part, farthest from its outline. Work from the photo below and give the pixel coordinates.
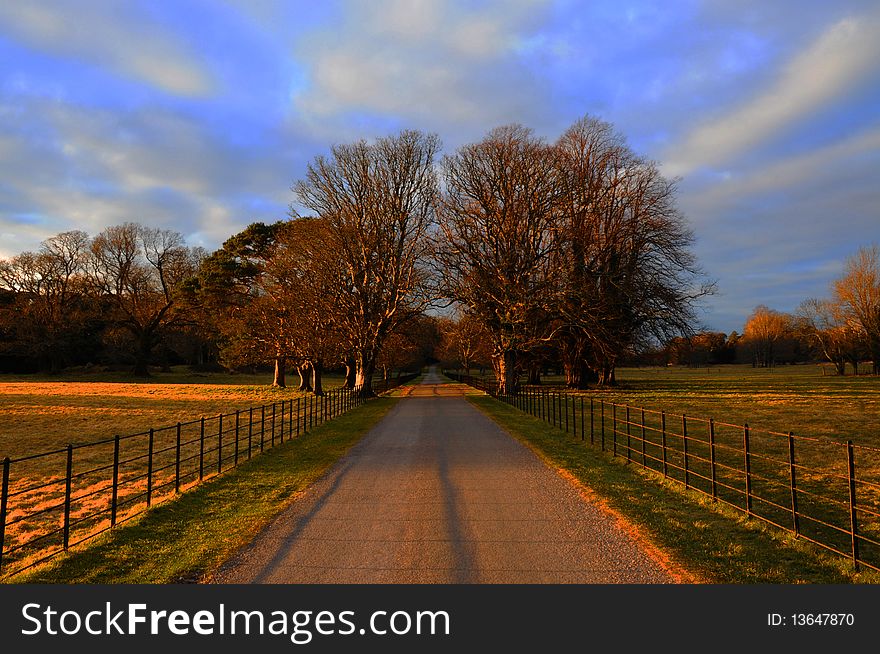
(785, 398)
(643, 421)
(40, 415)
(189, 536)
(713, 543)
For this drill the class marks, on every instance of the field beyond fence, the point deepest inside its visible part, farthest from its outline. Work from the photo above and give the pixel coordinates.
(821, 490)
(54, 500)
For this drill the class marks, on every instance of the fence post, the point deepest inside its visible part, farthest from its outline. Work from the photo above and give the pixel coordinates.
(250, 430)
(67, 488)
(663, 441)
(273, 424)
(582, 418)
(712, 459)
(602, 409)
(177, 462)
(566, 412)
(4, 498)
(592, 421)
(684, 442)
(281, 434)
(628, 434)
(853, 519)
(262, 425)
(220, 446)
(237, 423)
(614, 429)
(150, 471)
(114, 493)
(202, 450)
(297, 416)
(792, 475)
(748, 463)
(644, 455)
(290, 418)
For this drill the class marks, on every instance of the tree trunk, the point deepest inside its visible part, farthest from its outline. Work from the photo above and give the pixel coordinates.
(364, 375)
(304, 377)
(350, 374)
(840, 365)
(280, 370)
(317, 367)
(142, 358)
(534, 374)
(506, 368)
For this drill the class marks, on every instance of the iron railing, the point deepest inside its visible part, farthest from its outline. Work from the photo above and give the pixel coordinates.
(55, 500)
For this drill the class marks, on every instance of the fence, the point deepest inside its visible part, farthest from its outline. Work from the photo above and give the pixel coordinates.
(824, 491)
(52, 501)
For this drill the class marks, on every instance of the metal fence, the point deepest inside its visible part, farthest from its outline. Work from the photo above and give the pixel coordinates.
(821, 490)
(55, 500)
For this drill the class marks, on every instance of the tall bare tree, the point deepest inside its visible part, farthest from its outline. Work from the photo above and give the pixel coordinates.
(623, 268)
(832, 332)
(377, 200)
(858, 292)
(52, 306)
(497, 219)
(139, 270)
(764, 329)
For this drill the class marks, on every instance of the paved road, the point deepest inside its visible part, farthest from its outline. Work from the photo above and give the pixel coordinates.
(438, 493)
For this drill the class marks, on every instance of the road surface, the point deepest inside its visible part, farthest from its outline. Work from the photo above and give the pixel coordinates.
(438, 493)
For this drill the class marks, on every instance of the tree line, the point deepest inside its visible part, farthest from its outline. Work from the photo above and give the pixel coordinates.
(569, 253)
(841, 329)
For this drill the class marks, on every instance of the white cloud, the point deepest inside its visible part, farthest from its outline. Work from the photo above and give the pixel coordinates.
(832, 65)
(106, 34)
(801, 170)
(430, 60)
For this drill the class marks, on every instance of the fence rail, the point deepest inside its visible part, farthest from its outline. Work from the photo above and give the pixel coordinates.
(823, 491)
(55, 500)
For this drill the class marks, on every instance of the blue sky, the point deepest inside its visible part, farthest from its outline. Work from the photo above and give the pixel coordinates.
(199, 115)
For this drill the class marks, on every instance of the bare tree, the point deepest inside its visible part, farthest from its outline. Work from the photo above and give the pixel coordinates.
(858, 292)
(765, 328)
(52, 307)
(138, 270)
(623, 268)
(377, 201)
(834, 335)
(497, 219)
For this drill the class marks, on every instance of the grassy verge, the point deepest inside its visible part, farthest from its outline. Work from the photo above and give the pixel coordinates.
(190, 536)
(712, 543)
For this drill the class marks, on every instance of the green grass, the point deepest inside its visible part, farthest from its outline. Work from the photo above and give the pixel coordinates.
(716, 544)
(188, 537)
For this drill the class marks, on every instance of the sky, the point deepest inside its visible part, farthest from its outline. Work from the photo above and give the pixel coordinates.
(198, 115)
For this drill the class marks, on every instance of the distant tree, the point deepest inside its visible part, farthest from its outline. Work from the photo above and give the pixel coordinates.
(625, 275)
(377, 201)
(496, 232)
(465, 341)
(833, 336)
(764, 330)
(51, 308)
(858, 293)
(233, 293)
(139, 271)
